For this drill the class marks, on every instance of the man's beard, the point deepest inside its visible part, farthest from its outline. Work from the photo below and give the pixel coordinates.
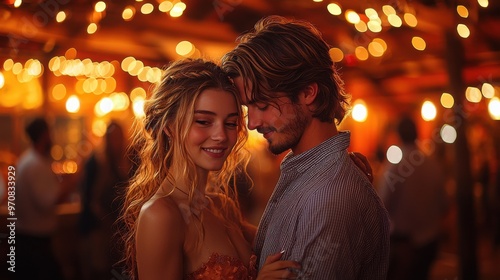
(291, 133)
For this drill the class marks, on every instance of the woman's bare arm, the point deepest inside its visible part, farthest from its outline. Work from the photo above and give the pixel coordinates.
(159, 241)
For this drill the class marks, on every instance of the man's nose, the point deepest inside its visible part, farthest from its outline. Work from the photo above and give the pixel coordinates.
(254, 119)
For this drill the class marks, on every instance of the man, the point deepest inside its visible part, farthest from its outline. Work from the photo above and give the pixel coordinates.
(37, 194)
(323, 212)
(413, 191)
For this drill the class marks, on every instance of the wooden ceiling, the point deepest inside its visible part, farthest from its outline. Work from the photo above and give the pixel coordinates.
(402, 73)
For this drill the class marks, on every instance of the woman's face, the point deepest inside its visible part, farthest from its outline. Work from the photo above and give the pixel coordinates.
(214, 129)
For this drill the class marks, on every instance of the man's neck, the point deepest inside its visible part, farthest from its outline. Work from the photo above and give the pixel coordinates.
(40, 150)
(316, 133)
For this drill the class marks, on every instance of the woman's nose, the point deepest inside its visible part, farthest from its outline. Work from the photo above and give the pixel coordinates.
(219, 133)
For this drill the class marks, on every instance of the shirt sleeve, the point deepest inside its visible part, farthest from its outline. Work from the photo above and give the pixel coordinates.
(341, 238)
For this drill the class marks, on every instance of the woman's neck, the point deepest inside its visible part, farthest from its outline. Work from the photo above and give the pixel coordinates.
(202, 178)
(170, 187)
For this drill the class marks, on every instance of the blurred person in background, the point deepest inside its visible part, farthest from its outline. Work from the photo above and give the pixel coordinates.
(413, 192)
(38, 192)
(102, 187)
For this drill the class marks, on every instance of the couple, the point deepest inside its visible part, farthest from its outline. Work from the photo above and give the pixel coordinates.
(323, 221)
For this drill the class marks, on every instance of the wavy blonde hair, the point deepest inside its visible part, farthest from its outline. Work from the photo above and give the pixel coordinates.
(170, 111)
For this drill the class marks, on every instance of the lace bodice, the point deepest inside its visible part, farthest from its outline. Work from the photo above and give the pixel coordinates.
(223, 267)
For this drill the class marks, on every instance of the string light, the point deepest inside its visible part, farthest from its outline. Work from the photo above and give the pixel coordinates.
(334, 9)
(178, 9)
(361, 26)
(473, 94)
(447, 100)
(394, 154)
(147, 8)
(2, 80)
(462, 11)
(352, 17)
(96, 78)
(394, 20)
(185, 48)
(418, 43)
(361, 53)
(91, 28)
(359, 111)
(73, 104)
(483, 3)
(98, 82)
(388, 10)
(488, 90)
(463, 30)
(377, 47)
(100, 6)
(128, 13)
(336, 54)
(165, 6)
(448, 133)
(410, 19)
(428, 111)
(375, 25)
(61, 16)
(494, 108)
(371, 13)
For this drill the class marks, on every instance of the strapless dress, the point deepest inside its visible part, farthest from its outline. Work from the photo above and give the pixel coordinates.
(223, 267)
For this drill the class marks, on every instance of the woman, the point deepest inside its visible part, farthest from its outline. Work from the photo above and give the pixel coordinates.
(181, 211)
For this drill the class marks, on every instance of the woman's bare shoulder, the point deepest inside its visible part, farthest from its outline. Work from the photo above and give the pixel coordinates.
(160, 239)
(161, 212)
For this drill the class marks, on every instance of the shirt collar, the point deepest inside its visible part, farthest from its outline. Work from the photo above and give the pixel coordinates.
(320, 153)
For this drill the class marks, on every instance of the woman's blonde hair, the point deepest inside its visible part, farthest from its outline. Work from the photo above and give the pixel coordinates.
(159, 149)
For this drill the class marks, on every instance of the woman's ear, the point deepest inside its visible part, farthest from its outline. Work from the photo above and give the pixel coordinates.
(309, 94)
(167, 133)
(168, 141)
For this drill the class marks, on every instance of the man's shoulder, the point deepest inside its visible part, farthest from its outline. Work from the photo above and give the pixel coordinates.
(26, 162)
(30, 157)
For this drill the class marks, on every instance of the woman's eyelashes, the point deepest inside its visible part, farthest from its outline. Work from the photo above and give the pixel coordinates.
(232, 125)
(228, 124)
(203, 122)
(262, 107)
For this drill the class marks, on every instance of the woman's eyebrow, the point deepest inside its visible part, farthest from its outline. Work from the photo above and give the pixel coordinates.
(205, 112)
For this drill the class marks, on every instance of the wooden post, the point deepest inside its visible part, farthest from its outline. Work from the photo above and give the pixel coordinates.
(467, 256)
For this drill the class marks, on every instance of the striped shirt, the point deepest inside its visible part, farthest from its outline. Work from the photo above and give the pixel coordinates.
(326, 215)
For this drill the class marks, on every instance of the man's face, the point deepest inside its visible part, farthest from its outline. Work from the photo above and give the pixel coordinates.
(281, 123)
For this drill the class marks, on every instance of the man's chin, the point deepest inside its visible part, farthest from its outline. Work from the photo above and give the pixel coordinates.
(276, 150)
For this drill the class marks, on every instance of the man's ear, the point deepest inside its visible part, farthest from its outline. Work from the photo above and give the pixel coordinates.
(309, 94)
